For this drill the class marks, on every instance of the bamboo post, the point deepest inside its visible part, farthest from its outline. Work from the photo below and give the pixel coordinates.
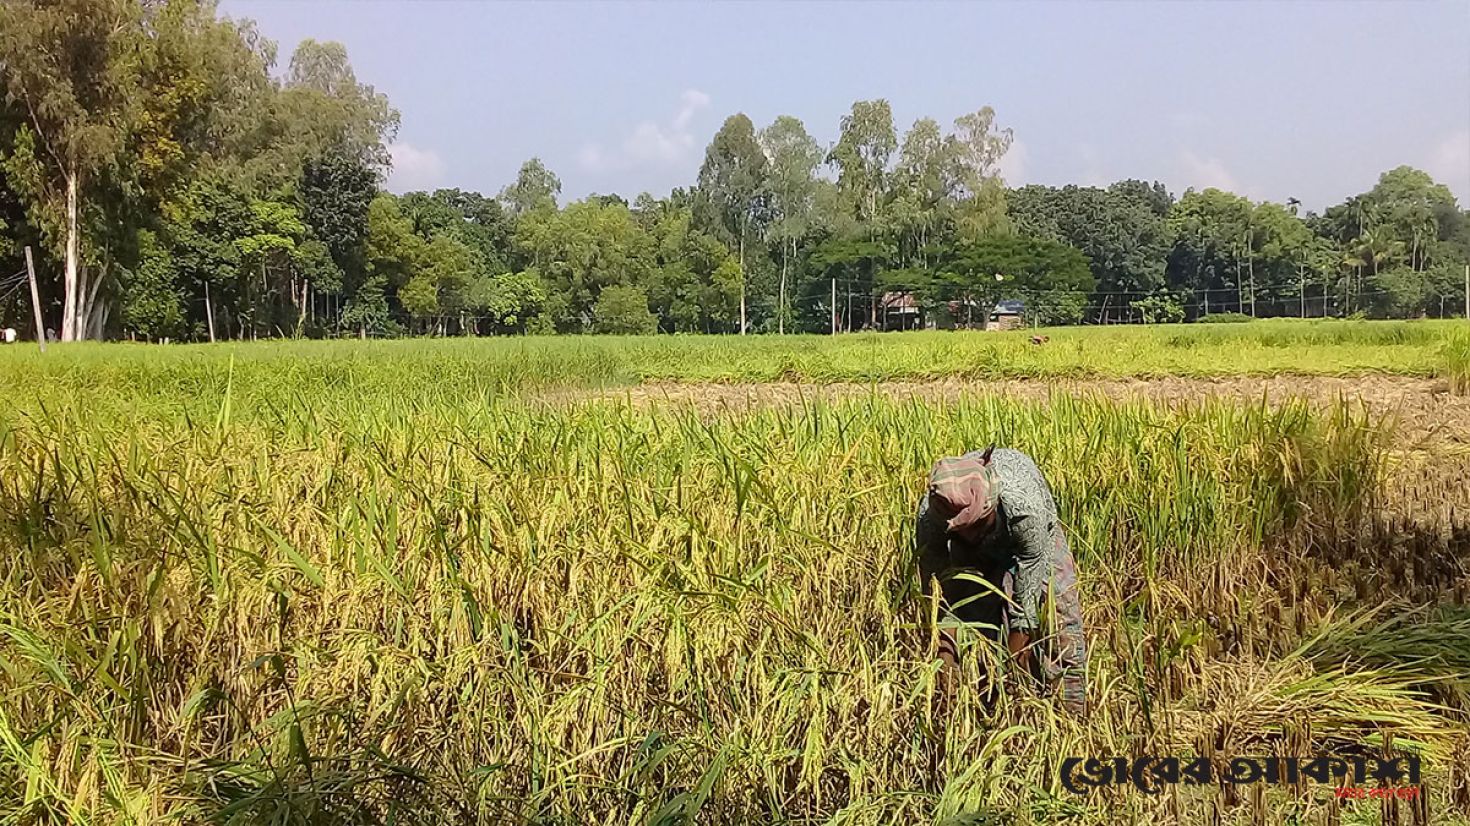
(834, 306)
(35, 301)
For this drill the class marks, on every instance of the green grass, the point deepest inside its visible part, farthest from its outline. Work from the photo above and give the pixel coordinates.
(363, 583)
(1454, 363)
(168, 374)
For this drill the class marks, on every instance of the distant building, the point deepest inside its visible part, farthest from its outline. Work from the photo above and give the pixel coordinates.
(1008, 315)
(902, 311)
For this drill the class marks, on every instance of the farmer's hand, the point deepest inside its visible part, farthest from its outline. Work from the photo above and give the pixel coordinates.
(1019, 644)
(949, 657)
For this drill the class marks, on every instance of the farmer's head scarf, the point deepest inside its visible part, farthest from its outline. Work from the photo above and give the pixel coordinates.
(969, 486)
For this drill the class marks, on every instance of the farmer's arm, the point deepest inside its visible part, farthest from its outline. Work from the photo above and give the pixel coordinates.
(1045, 564)
(1071, 642)
(931, 549)
(931, 544)
(1034, 545)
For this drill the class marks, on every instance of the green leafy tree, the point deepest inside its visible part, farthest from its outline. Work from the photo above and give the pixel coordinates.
(856, 265)
(1053, 279)
(392, 255)
(1161, 308)
(690, 288)
(1444, 288)
(480, 223)
(267, 263)
(1119, 229)
(16, 232)
(1283, 245)
(1209, 230)
(324, 109)
(977, 147)
(1416, 211)
(925, 184)
(722, 295)
(623, 310)
(1154, 196)
(734, 191)
(450, 266)
(1379, 249)
(335, 192)
(200, 227)
(580, 251)
(368, 310)
(154, 302)
(119, 98)
(535, 188)
(317, 273)
(392, 250)
(1396, 292)
(420, 297)
(1406, 221)
(793, 157)
(861, 155)
(514, 300)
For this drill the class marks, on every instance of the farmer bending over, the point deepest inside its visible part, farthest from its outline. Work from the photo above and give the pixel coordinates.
(991, 516)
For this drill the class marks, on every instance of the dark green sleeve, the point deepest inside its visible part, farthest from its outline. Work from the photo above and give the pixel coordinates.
(1034, 544)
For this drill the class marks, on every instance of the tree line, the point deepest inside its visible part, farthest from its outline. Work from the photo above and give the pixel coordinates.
(177, 184)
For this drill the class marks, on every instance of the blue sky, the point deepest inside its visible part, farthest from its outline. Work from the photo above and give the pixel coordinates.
(1273, 100)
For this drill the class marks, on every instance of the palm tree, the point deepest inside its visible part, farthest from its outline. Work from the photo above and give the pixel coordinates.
(1425, 229)
(1381, 248)
(1354, 255)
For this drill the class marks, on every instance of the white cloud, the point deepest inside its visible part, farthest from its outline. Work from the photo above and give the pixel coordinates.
(651, 143)
(592, 157)
(691, 101)
(1012, 164)
(1204, 173)
(414, 168)
(1450, 163)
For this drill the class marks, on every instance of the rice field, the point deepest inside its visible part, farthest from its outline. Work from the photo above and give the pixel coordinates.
(390, 582)
(1424, 349)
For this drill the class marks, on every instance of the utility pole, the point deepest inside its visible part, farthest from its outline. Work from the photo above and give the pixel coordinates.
(1302, 274)
(1250, 260)
(742, 303)
(209, 312)
(834, 306)
(36, 301)
(781, 309)
(744, 222)
(1467, 291)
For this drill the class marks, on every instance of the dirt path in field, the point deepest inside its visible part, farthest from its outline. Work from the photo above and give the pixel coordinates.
(1429, 416)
